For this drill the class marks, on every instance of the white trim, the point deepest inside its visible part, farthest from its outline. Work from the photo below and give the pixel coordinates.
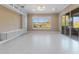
(22, 32)
(1, 42)
(13, 31)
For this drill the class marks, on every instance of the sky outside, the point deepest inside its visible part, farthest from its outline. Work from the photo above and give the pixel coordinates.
(40, 19)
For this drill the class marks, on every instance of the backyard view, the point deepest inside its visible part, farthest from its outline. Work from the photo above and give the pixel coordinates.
(41, 23)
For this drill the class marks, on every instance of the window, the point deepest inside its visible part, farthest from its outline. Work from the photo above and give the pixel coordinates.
(41, 22)
(76, 22)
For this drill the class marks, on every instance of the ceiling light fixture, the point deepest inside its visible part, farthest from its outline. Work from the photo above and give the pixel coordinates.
(41, 8)
(53, 9)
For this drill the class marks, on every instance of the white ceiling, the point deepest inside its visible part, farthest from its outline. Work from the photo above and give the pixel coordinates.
(32, 8)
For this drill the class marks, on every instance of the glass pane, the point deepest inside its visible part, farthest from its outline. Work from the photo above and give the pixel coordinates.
(63, 20)
(67, 20)
(41, 23)
(75, 22)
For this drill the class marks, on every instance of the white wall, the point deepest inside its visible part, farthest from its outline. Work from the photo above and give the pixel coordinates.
(24, 22)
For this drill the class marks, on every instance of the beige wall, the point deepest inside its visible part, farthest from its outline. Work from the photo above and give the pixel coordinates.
(9, 20)
(54, 22)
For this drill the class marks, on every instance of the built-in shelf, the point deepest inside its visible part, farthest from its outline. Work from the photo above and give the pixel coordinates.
(14, 8)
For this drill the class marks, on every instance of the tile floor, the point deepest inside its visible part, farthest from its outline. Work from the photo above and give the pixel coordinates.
(41, 42)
